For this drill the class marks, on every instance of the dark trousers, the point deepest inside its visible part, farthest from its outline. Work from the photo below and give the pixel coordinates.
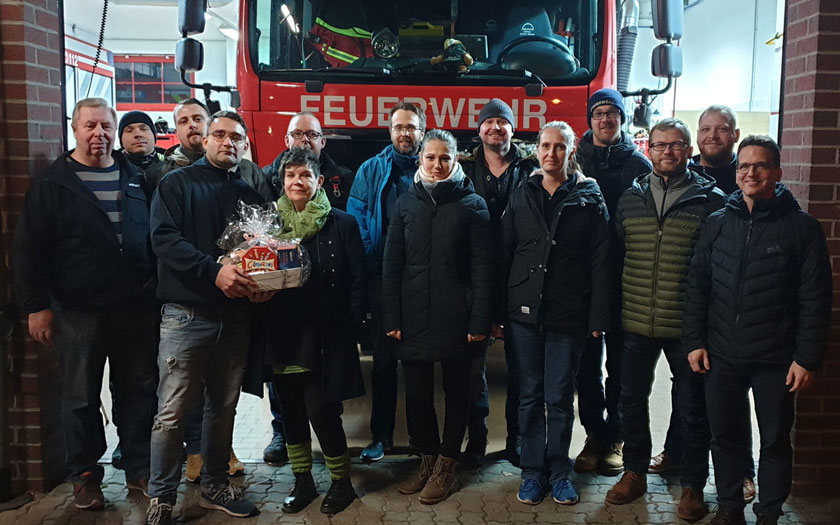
(638, 365)
(548, 362)
(512, 399)
(596, 396)
(420, 399)
(303, 404)
(479, 397)
(727, 386)
(383, 376)
(674, 444)
(124, 335)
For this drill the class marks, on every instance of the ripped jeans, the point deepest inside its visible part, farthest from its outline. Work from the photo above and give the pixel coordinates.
(202, 352)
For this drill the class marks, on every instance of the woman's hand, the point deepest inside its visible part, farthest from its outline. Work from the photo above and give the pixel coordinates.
(597, 333)
(497, 331)
(396, 334)
(475, 338)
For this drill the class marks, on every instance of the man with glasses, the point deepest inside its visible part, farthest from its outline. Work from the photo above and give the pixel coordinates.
(757, 316)
(205, 326)
(379, 182)
(305, 132)
(658, 221)
(608, 155)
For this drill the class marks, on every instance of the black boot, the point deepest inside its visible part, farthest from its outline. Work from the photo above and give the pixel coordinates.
(302, 493)
(339, 497)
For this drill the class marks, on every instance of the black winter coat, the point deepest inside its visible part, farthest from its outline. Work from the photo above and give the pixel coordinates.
(760, 290)
(337, 179)
(613, 167)
(437, 279)
(559, 274)
(65, 246)
(315, 326)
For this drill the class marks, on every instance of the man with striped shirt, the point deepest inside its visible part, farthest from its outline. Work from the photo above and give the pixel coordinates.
(85, 274)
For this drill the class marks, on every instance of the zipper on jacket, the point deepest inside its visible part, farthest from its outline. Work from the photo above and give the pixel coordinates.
(740, 276)
(655, 277)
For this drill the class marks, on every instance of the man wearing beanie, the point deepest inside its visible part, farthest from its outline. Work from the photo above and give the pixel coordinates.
(495, 167)
(137, 137)
(373, 196)
(608, 155)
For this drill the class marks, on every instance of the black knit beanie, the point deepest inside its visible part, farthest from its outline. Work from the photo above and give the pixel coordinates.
(135, 117)
(496, 109)
(602, 97)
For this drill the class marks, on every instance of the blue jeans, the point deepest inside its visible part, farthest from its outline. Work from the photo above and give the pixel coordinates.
(202, 352)
(548, 362)
(596, 396)
(123, 334)
(639, 363)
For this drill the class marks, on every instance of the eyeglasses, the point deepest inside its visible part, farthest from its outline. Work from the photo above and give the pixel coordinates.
(760, 167)
(310, 135)
(601, 115)
(662, 146)
(399, 129)
(234, 137)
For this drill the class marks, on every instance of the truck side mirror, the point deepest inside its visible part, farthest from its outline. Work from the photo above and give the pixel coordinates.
(666, 61)
(667, 19)
(191, 16)
(189, 55)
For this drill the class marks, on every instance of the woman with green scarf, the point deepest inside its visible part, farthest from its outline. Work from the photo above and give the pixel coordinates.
(311, 337)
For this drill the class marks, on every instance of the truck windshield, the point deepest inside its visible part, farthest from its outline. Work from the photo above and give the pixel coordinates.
(429, 42)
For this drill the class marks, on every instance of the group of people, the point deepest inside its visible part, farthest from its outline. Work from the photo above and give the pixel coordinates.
(579, 248)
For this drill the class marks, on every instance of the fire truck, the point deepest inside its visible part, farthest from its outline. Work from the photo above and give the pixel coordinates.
(349, 61)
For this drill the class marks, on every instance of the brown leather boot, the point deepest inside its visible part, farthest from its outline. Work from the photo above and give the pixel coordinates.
(692, 507)
(629, 487)
(417, 481)
(441, 482)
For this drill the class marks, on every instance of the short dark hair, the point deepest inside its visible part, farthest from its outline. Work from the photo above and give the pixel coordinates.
(226, 113)
(408, 106)
(187, 102)
(763, 141)
(720, 109)
(300, 157)
(672, 123)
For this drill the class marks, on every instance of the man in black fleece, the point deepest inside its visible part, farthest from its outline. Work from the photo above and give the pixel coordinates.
(204, 332)
(609, 156)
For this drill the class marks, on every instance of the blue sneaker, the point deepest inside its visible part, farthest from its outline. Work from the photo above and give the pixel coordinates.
(531, 492)
(564, 492)
(374, 451)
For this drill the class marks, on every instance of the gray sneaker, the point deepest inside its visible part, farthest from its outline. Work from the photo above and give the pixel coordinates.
(229, 500)
(159, 513)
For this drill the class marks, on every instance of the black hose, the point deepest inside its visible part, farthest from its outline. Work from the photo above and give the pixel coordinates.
(99, 45)
(624, 59)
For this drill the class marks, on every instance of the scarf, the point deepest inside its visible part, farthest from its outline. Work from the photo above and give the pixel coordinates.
(429, 183)
(307, 223)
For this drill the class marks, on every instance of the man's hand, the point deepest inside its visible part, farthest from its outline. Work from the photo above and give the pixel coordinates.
(396, 334)
(699, 360)
(41, 327)
(799, 377)
(234, 282)
(497, 331)
(261, 296)
(596, 334)
(475, 338)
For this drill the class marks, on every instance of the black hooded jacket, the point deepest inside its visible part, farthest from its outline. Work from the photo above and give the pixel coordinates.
(437, 279)
(613, 167)
(760, 289)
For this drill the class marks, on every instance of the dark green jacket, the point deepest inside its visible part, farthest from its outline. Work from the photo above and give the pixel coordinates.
(657, 253)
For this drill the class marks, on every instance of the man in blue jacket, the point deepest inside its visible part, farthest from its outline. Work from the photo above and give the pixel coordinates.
(378, 183)
(85, 275)
(757, 316)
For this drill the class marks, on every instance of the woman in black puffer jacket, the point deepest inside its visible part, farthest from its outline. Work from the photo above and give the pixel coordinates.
(437, 284)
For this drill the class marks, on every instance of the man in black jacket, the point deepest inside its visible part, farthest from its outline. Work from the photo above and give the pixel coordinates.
(204, 331)
(136, 132)
(305, 132)
(85, 274)
(190, 117)
(757, 316)
(496, 168)
(609, 156)
(717, 134)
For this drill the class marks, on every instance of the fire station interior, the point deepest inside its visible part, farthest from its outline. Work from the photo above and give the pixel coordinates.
(142, 32)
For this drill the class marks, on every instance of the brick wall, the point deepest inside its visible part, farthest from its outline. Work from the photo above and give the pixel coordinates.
(30, 137)
(811, 163)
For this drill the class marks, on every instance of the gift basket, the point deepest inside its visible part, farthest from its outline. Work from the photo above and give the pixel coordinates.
(252, 241)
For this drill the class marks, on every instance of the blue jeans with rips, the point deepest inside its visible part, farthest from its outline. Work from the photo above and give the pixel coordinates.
(124, 335)
(202, 352)
(548, 362)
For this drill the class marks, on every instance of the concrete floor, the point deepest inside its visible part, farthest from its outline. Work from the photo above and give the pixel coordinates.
(484, 496)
